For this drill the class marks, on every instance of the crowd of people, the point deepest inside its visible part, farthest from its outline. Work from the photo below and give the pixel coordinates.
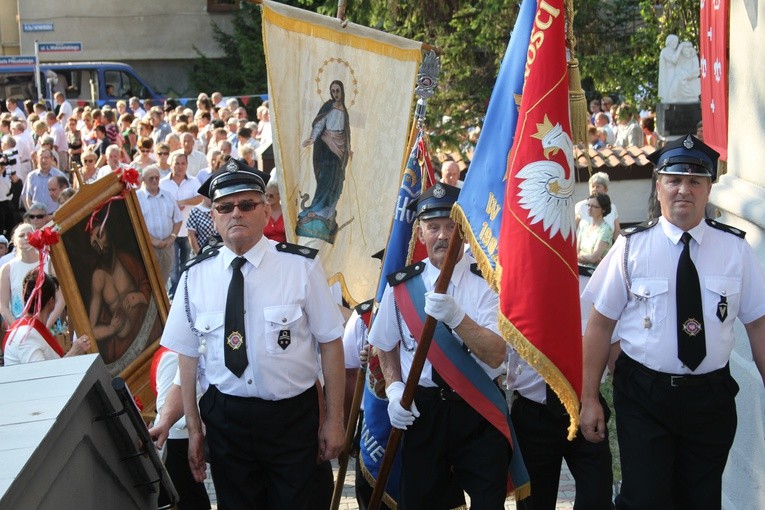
(621, 125)
(251, 377)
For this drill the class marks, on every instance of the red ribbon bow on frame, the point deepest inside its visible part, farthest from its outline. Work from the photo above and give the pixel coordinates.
(131, 179)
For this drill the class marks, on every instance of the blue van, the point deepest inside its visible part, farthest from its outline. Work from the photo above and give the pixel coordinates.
(97, 83)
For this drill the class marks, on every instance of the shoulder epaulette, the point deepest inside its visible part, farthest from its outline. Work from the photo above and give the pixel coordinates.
(364, 307)
(403, 275)
(207, 253)
(475, 269)
(642, 227)
(296, 249)
(726, 228)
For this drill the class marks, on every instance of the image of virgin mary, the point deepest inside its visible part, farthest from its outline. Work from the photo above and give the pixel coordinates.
(331, 140)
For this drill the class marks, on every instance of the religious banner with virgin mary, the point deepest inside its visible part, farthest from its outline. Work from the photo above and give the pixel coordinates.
(341, 99)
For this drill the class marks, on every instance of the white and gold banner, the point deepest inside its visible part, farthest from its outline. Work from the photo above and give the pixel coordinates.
(341, 99)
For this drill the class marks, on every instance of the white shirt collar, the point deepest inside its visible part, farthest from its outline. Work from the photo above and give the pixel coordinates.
(673, 232)
(254, 255)
(431, 272)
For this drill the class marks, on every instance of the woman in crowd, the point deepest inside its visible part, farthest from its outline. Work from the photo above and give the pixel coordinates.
(598, 184)
(163, 154)
(274, 229)
(73, 141)
(144, 157)
(594, 238)
(89, 170)
(28, 340)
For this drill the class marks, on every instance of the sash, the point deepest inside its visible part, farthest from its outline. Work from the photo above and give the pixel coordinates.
(461, 371)
(38, 326)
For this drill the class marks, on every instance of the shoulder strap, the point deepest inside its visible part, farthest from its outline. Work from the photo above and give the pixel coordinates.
(296, 249)
(405, 274)
(726, 228)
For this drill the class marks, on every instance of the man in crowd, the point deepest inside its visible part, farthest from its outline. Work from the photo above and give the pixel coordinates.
(160, 127)
(196, 160)
(260, 412)
(113, 161)
(56, 185)
(676, 289)
(25, 146)
(36, 184)
(450, 174)
(14, 109)
(163, 218)
(183, 189)
(56, 130)
(442, 430)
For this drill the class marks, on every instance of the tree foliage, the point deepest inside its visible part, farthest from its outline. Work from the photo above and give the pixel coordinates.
(618, 45)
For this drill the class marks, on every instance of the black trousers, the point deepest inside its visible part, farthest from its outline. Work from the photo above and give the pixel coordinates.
(450, 435)
(262, 453)
(192, 494)
(674, 440)
(542, 435)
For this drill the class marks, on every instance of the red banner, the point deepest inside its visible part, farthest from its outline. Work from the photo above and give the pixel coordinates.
(539, 286)
(713, 46)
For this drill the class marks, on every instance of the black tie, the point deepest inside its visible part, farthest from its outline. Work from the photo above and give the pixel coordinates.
(691, 341)
(235, 348)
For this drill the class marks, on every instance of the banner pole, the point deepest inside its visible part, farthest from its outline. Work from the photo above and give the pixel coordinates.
(455, 246)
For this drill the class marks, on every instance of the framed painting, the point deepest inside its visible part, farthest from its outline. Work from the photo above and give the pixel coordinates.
(110, 279)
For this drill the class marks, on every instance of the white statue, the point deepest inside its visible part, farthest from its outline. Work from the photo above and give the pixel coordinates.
(687, 86)
(679, 71)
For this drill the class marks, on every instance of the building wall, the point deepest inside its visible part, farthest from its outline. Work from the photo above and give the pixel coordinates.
(9, 29)
(741, 196)
(155, 37)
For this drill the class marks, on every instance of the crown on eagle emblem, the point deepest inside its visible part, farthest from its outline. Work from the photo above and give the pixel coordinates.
(439, 191)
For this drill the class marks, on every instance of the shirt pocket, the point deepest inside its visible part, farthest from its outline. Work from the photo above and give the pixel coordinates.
(281, 321)
(721, 293)
(652, 295)
(210, 324)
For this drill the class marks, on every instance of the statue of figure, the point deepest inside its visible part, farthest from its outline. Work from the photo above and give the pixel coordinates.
(687, 85)
(668, 67)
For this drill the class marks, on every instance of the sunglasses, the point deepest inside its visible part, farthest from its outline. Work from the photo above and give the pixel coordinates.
(36, 216)
(163, 153)
(89, 160)
(244, 206)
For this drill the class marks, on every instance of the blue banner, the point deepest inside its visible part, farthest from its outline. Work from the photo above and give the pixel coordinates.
(479, 206)
(397, 251)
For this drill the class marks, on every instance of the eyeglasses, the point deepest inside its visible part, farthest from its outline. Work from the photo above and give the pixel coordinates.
(88, 160)
(163, 153)
(244, 206)
(36, 216)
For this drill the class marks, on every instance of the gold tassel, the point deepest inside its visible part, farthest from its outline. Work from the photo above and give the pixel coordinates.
(577, 104)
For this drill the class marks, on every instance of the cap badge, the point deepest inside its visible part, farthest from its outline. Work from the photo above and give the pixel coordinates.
(688, 143)
(232, 166)
(439, 191)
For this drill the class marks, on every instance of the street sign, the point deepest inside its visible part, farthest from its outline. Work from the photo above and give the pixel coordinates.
(37, 27)
(17, 61)
(59, 47)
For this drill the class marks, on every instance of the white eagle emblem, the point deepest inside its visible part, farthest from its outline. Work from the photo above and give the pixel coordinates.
(545, 191)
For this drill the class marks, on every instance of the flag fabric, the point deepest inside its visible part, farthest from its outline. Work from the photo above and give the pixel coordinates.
(341, 101)
(539, 280)
(480, 203)
(714, 74)
(402, 248)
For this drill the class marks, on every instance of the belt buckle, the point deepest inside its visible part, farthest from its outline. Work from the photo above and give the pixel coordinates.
(676, 380)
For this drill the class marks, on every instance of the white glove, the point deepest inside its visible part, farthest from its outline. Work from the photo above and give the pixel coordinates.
(444, 308)
(400, 418)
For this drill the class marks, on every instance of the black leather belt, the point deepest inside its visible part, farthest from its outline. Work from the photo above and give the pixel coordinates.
(446, 394)
(677, 380)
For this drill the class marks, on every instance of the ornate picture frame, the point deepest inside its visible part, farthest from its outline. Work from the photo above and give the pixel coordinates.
(110, 279)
